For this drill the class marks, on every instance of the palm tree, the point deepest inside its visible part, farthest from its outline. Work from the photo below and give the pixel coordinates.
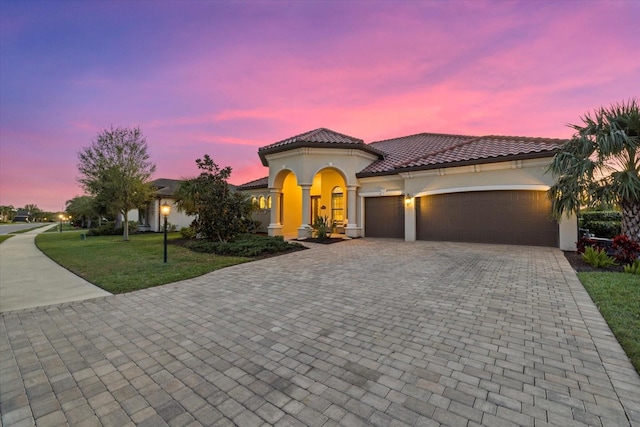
(83, 208)
(601, 165)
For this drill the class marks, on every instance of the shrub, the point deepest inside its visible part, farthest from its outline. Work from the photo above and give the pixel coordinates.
(585, 242)
(626, 250)
(588, 216)
(322, 227)
(602, 223)
(188, 233)
(607, 229)
(597, 258)
(247, 245)
(111, 230)
(633, 268)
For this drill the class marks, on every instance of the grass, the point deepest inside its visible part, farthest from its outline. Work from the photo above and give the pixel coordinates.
(4, 237)
(617, 296)
(118, 266)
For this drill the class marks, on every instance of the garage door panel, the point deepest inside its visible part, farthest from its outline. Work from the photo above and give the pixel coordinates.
(505, 217)
(384, 217)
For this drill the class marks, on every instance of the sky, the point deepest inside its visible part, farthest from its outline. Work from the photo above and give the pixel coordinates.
(227, 77)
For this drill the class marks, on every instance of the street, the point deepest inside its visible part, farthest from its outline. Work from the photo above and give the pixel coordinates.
(10, 228)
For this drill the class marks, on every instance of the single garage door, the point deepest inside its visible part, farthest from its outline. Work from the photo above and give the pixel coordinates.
(384, 217)
(505, 217)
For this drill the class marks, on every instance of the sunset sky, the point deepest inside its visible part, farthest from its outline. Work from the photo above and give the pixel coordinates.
(225, 78)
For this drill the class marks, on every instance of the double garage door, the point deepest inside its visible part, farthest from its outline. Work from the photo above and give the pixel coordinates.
(504, 217)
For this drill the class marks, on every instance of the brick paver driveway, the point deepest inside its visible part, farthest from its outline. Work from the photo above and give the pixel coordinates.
(365, 332)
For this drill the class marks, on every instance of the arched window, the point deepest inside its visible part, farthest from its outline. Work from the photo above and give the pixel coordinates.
(337, 204)
(268, 202)
(261, 203)
(254, 202)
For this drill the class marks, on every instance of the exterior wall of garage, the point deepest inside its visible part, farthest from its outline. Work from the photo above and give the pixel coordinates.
(519, 175)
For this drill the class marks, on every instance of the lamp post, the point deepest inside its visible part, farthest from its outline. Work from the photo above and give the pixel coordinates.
(165, 209)
(61, 218)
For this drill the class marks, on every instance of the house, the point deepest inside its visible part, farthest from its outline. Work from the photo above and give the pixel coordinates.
(428, 186)
(150, 218)
(22, 216)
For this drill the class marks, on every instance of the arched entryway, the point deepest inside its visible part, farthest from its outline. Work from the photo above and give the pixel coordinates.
(328, 197)
(297, 205)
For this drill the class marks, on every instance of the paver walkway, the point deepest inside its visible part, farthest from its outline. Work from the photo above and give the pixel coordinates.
(28, 278)
(364, 332)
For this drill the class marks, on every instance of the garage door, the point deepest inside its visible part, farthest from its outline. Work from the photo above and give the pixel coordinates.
(506, 217)
(384, 217)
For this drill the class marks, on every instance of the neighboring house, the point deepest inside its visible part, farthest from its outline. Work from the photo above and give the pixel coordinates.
(22, 216)
(487, 189)
(150, 218)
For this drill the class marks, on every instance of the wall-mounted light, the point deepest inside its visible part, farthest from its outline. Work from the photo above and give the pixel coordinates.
(408, 199)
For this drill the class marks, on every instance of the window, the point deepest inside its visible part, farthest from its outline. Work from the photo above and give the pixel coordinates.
(262, 203)
(337, 205)
(254, 202)
(268, 202)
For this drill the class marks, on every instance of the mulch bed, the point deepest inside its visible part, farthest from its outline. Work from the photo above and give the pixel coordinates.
(578, 264)
(323, 241)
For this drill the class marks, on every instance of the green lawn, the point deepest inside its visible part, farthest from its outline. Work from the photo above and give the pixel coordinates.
(118, 266)
(617, 296)
(4, 237)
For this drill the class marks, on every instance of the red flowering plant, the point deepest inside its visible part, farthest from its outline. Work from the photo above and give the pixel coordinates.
(626, 250)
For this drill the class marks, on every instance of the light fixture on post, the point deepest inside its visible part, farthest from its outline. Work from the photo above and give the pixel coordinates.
(61, 218)
(165, 210)
(407, 199)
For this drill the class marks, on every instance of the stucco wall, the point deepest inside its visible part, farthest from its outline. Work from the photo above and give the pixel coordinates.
(528, 174)
(324, 168)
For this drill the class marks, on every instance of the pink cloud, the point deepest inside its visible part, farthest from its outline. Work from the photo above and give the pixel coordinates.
(225, 79)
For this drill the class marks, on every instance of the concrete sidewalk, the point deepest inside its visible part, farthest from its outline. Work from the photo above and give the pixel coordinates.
(28, 278)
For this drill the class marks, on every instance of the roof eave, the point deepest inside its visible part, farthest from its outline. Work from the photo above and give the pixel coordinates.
(262, 153)
(487, 160)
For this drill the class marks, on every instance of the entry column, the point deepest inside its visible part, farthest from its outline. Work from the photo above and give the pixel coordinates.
(305, 229)
(275, 220)
(352, 229)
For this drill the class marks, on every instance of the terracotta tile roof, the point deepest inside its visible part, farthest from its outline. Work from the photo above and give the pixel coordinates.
(257, 183)
(485, 147)
(406, 148)
(165, 186)
(168, 187)
(429, 151)
(421, 151)
(321, 137)
(317, 135)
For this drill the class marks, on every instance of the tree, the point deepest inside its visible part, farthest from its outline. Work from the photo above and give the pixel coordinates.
(7, 213)
(116, 168)
(601, 165)
(35, 213)
(83, 208)
(221, 213)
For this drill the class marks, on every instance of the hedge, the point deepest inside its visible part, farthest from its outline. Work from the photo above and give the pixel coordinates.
(602, 223)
